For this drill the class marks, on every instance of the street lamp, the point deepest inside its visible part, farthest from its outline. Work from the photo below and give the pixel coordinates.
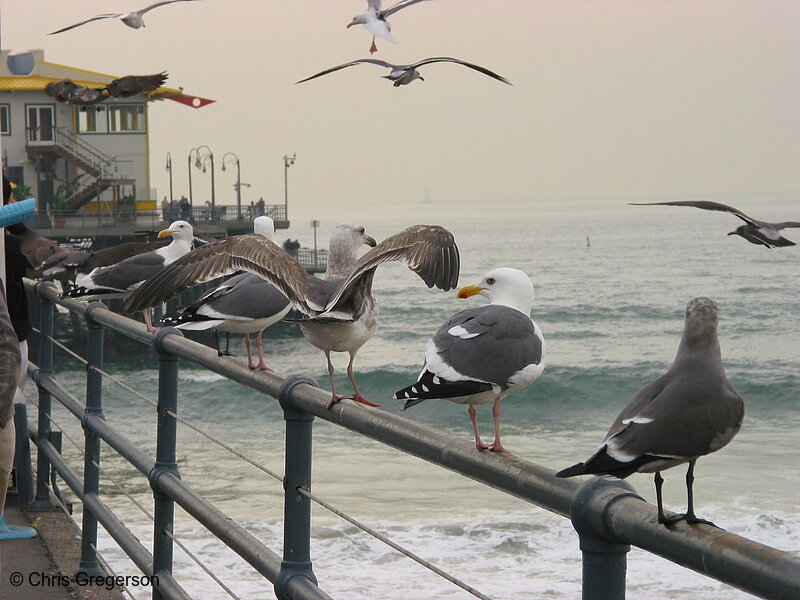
(200, 162)
(169, 168)
(238, 185)
(288, 161)
(193, 151)
(315, 224)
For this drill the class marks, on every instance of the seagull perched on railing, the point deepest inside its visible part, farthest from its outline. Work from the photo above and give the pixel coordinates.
(340, 310)
(245, 303)
(405, 74)
(690, 411)
(121, 279)
(374, 20)
(480, 355)
(132, 19)
(754, 231)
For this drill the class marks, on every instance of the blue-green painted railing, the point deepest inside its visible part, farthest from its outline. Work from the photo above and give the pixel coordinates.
(607, 514)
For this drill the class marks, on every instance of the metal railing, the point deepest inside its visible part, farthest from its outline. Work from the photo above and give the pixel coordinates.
(607, 514)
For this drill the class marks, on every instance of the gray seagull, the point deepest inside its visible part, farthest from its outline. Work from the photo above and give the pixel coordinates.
(480, 355)
(690, 411)
(754, 231)
(405, 74)
(132, 19)
(245, 303)
(374, 20)
(340, 310)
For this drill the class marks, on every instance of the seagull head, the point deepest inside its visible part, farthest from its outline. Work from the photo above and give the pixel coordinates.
(700, 328)
(504, 285)
(265, 226)
(179, 230)
(739, 231)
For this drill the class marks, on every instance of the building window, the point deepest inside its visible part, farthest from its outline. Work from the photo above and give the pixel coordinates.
(93, 120)
(126, 118)
(5, 119)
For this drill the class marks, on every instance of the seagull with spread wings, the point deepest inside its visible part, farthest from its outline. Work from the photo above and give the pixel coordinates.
(340, 310)
(374, 20)
(754, 231)
(405, 74)
(134, 19)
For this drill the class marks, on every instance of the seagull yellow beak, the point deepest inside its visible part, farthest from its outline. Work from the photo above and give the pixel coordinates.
(470, 290)
(348, 26)
(165, 233)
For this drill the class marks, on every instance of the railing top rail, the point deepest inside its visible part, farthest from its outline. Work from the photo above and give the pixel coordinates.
(738, 561)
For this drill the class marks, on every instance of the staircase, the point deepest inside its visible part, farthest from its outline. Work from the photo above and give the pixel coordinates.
(98, 167)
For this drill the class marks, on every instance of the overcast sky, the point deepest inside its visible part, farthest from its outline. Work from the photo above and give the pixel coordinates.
(611, 98)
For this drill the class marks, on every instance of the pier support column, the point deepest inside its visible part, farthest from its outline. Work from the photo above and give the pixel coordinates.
(46, 315)
(604, 558)
(164, 506)
(91, 461)
(297, 507)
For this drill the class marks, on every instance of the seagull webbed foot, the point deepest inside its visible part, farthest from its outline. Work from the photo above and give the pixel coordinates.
(335, 398)
(260, 367)
(498, 447)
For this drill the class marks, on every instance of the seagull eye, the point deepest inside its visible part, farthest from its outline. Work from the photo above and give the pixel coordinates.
(361, 230)
(490, 281)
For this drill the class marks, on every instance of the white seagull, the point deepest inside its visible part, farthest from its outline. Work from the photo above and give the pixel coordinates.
(121, 279)
(340, 310)
(480, 355)
(245, 303)
(405, 74)
(374, 20)
(132, 19)
(690, 411)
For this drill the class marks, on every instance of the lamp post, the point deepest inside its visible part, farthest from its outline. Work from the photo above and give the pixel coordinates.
(314, 225)
(191, 152)
(238, 185)
(288, 161)
(200, 163)
(169, 168)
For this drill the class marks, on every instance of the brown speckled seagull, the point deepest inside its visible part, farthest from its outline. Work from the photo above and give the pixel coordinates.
(340, 310)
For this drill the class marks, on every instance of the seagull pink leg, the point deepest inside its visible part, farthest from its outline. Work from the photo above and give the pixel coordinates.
(250, 364)
(497, 446)
(148, 320)
(373, 49)
(261, 365)
(473, 417)
(358, 397)
(334, 397)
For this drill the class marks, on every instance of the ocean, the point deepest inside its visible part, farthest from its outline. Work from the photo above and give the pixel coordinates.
(612, 315)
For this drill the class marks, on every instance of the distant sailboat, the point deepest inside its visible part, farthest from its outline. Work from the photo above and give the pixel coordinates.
(426, 197)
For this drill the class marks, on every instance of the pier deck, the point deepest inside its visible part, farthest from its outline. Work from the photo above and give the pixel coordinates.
(40, 560)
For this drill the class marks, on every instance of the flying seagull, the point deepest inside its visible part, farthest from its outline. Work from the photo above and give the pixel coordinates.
(245, 303)
(374, 20)
(340, 310)
(690, 411)
(405, 74)
(69, 92)
(132, 19)
(121, 279)
(480, 355)
(133, 85)
(754, 231)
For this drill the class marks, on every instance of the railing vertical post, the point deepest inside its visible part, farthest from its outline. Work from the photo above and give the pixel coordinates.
(604, 558)
(296, 507)
(46, 313)
(91, 462)
(164, 506)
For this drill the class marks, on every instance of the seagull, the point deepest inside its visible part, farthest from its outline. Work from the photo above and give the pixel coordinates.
(121, 279)
(480, 355)
(69, 92)
(340, 310)
(133, 85)
(132, 19)
(690, 411)
(405, 74)
(754, 231)
(245, 303)
(374, 20)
